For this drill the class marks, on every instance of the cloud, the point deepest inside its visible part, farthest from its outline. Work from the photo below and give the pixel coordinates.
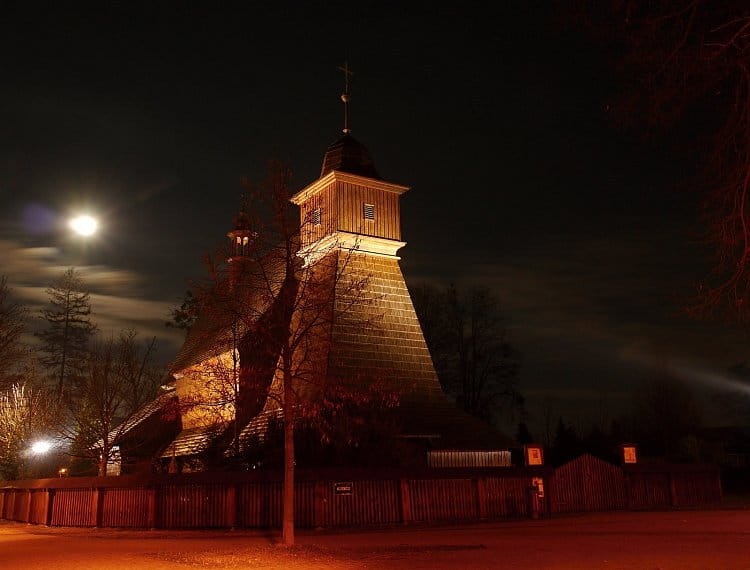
(115, 301)
(578, 309)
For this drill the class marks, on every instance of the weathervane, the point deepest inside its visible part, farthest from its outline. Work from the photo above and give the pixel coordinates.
(345, 95)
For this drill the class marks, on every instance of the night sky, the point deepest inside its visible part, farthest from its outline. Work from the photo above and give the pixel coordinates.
(498, 120)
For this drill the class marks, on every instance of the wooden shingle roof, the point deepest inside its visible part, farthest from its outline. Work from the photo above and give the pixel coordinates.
(253, 294)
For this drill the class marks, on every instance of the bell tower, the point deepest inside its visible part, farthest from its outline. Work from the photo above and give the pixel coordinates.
(349, 205)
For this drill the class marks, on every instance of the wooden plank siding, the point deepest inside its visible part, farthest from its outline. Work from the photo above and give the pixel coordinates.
(443, 500)
(649, 490)
(448, 458)
(695, 488)
(126, 508)
(38, 506)
(72, 507)
(325, 200)
(371, 502)
(507, 497)
(260, 505)
(588, 484)
(342, 209)
(350, 201)
(192, 506)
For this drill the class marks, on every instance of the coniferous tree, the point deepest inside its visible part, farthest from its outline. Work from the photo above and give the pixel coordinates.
(184, 316)
(11, 328)
(69, 330)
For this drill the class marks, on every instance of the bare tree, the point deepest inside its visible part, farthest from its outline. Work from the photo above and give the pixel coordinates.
(25, 414)
(12, 350)
(468, 342)
(69, 330)
(686, 65)
(117, 380)
(281, 306)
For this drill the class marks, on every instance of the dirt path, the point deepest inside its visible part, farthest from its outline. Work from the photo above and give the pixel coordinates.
(683, 539)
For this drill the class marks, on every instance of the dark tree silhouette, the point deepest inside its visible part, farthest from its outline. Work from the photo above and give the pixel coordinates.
(69, 329)
(468, 342)
(12, 351)
(184, 316)
(523, 435)
(686, 69)
(665, 413)
(567, 444)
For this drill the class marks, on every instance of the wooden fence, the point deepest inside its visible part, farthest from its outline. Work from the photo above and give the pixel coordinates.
(352, 498)
(590, 484)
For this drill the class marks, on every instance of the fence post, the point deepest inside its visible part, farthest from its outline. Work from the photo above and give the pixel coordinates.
(320, 504)
(2, 504)
(97, 506)
(231, 506)
(672, 489)
(49, 501)
(481, 489)
(152, 514)
(405, 501)
(27, 516)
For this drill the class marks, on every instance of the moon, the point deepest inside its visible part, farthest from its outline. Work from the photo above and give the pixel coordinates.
(84, 225)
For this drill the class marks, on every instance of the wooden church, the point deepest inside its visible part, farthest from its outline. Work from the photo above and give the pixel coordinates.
(347, 254)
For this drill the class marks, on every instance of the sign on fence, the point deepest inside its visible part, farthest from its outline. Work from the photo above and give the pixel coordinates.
(343, 488)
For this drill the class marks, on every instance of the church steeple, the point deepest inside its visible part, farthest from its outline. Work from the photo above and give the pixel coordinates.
(350, 205)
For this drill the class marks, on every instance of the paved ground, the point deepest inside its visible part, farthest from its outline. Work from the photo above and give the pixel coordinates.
(682, 539)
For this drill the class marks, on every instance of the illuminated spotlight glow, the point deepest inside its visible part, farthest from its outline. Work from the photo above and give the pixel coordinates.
(84, 225)
(41, 447)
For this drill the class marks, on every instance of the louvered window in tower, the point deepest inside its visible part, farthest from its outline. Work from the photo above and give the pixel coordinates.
(316, 217)
(369, 212)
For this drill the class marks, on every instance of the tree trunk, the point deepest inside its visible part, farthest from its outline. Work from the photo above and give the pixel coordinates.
(287, 533)
(61, 380)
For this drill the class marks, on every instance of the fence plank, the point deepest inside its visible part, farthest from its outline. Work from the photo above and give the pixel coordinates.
(72, 507)
(128, 508)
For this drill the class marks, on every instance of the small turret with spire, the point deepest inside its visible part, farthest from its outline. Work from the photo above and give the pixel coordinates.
(240, 241)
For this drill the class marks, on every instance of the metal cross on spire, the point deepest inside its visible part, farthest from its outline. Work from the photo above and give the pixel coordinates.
(345, 95)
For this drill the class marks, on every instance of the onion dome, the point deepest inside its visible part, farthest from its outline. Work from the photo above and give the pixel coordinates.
(348, 155)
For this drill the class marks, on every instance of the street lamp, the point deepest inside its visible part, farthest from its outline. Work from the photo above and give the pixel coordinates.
(40, 447)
